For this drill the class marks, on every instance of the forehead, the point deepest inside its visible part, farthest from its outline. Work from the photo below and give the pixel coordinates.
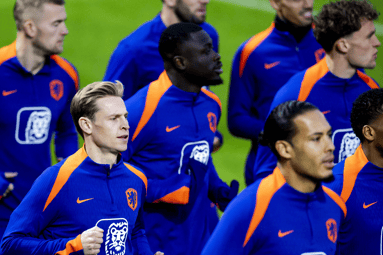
(367, 27)
(311, 122)
(199, 38)
(110, 105)
(50, 11)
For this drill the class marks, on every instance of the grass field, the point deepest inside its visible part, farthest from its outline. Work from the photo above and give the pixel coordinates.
(95, 28)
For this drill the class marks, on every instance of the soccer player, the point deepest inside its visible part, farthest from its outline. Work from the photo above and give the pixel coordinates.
(264, 63)
(346, 31)
(91, 202)
(173, 122)
(288, 212)
(358, 179)
(37, 86)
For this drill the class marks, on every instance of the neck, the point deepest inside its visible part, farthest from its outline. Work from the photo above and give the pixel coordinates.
(372, 153)
(27, 55)
(339, 65)
(298, 32)
(168, 16)
(181, 82)
(99, 155)
(296, 181)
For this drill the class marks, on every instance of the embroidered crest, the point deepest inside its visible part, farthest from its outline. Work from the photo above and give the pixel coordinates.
(212, 121)
(57, 89)
(332, 230)
(131, 195)
(319, 54)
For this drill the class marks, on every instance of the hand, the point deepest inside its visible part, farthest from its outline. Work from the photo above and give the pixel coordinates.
(8, 190)
(91, 240)
(159, 253)
(9, 175)
(216, 144)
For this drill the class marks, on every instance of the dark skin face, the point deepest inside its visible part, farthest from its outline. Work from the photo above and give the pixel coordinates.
(198, 63)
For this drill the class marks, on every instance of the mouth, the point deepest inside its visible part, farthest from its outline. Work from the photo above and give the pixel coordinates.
(124, 138)
(307, 14)
(328, 162)
(218, 68)
(201, 11)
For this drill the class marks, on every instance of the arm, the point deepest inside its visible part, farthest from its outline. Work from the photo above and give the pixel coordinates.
(28, 221)
(241, 121)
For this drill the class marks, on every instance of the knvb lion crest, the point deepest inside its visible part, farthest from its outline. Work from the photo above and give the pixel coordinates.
(57, 89)
(332, 230)
(212, 121)
(131, 195)
(116, 238)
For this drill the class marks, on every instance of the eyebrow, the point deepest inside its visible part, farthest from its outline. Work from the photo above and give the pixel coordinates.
(371, 34)
(321, 133)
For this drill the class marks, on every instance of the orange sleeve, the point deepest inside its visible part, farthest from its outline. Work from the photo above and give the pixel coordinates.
(72, 246)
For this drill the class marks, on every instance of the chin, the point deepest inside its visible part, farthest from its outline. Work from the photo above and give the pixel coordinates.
(215, 82)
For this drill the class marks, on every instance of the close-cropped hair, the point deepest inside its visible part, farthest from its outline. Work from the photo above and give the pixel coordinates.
(341, 18)
(84, 101)
(173, 36)
(24, 6)
(280, 126)
(365, 110)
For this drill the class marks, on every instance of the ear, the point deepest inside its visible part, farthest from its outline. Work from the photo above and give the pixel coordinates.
(170, 3)
(30, 28)
(85, 125)
(275, 4)
(342, 45)
(368, 133)
(180, 62)
(284, 149)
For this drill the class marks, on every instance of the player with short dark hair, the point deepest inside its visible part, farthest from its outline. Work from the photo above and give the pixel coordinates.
(263, 64)
(336, 81)
(91, 202)
(173, 121)
(289, 211)
(37, 86)
(358, 179)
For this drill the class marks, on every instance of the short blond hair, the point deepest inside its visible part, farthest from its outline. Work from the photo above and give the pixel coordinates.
(84, 102)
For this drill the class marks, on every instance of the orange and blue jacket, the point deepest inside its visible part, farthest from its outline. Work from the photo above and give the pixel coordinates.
(73, 196)
(270, 217)
(360, 183)
(172, 133)
(333, 96)
(261, 66)
(34, 107)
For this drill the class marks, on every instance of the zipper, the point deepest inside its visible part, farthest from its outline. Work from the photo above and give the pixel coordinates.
(107, 184)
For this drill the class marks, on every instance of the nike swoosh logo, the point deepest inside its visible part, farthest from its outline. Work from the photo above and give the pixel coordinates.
(82, 201)
(269, 66)
(7, 93)
(366, 206)
(171, 129)
(325, 112)
(283, 234)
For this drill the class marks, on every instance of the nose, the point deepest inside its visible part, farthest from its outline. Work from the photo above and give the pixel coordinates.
(217, 57)
(376, 42)
(65, 29)
(330, 145)
(204, 1)
(125, 124)
(308, 3)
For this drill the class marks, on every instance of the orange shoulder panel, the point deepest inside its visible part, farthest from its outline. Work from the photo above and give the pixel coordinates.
(370, 82)
(156, 90)
(213, 96)
(352, 166)
(312, 75)
(7, 52)
(139, 174)
(266, 190)
(64, 173)
(72, 246)
(251, 45)
(337, 199)
(67, 67)
(180, 196)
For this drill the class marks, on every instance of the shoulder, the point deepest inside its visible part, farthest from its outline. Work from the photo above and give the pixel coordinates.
(138, 173)
(7, 52)
(212, 97)
(336, 198)
(209, 29)
(68, 68)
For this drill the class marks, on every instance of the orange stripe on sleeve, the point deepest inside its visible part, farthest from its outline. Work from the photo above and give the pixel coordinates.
(266, 190)
(352, 166)
(370, 82)
(180, 196)
(72, 246)
(337, 199)
(67, 67)
(312, 75)
(139, 174)
(251, 45)
(213, 96)
(65, 171)
(7, 52)
(155, 92)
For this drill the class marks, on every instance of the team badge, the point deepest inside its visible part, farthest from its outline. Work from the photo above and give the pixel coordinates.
(131, 195)
(212, 121)
(57, 89)
(332, 230)
(116, 234)
(346, 141)
(32, 125)
(319, 54)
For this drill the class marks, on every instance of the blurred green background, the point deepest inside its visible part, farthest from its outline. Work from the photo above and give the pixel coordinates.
(96, 27)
